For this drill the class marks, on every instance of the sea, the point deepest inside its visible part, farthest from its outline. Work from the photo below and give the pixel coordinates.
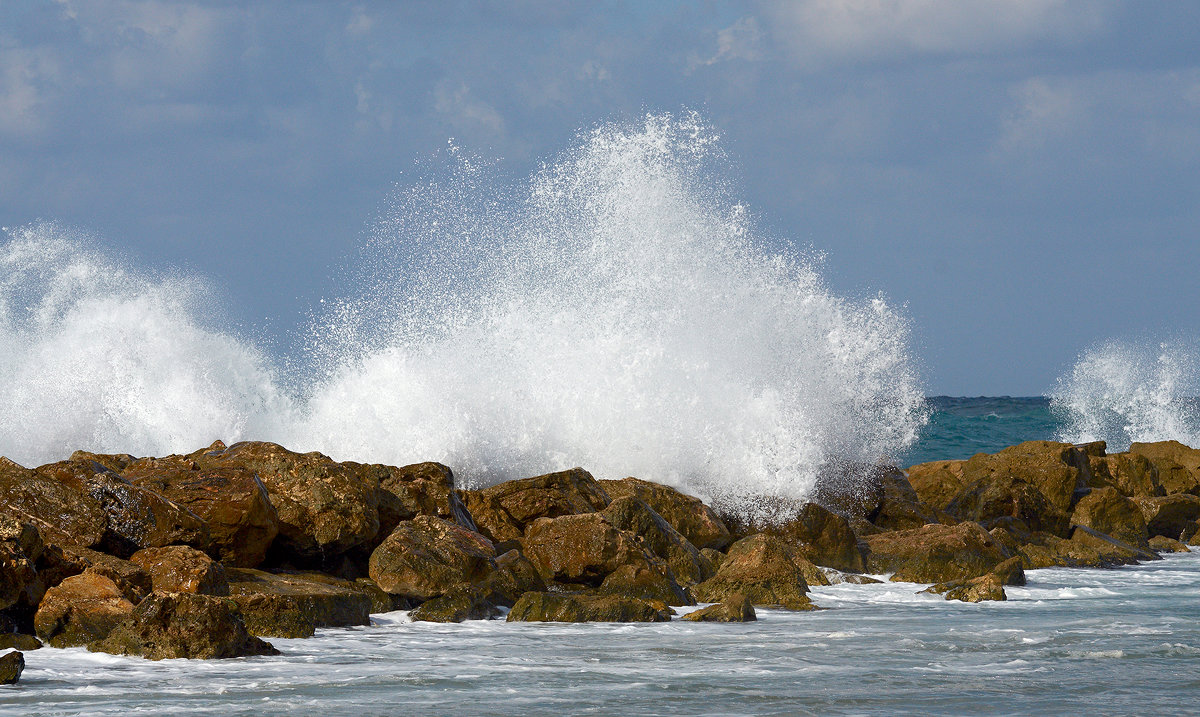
(622, 310)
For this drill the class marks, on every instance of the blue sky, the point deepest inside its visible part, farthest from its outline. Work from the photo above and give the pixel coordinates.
(1022, 174)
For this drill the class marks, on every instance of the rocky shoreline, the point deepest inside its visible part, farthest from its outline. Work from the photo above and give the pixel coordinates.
(211, 554)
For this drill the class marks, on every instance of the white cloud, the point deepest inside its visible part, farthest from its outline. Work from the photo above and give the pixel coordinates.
(822, 31)
(740, 41)
(19, 97)
(464, 110)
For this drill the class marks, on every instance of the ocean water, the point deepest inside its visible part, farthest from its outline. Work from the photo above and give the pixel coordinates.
(1105, 642)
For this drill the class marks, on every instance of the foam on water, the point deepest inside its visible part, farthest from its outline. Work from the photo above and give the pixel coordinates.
(1123, 392)
(618, 311)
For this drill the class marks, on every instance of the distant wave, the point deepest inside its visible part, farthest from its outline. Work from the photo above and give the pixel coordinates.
(618, 311)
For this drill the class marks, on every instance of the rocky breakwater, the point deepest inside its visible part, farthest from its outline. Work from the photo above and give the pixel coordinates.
(205, 554)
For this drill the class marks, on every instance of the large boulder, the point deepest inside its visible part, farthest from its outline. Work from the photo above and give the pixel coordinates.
(464, 602)
(426, 557)
(938, 482)
(1107, 511)
(984, 587)
(583, 549)
(20, 547)
(631, 514)
(183, 625)
(419, 489)
(1169, 516)
(689, 515)
(60, 513)
(58, 563)
(900, 506)
(1178, 465)
(180, 569)
(1131, 474)
(11, 667)
(231, 500)
(824, 538)
(558, 607)
(325, 508)
(765, 569)
(647, 583)
(83, 608)
(1112, 551)
(935, 553)
(295, 604)
(503, 511)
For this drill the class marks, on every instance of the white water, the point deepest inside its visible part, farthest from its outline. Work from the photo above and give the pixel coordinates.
(618, 311)
(1122, 392)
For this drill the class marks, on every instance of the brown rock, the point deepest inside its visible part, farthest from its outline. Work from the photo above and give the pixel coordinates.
(935, 553)
(938, 482)
(900, 506)
(763, 568)
(115, 462)
(294, 604)
(557, 607)
(1178, 465)
(11, 667)
(426, 557)
(503, 511)
(1109, 512)
(645, 583)
(60, 513)
(1112, 551)
(419, 489)
(1162, 544)
(17, 641)
(1170, 515)
(582, 549)
(188, 625)
(737, 608)
(59, 563)
(83, 608)
(463, 602)
(20, 546)
(631, 514)
(231, 500)
(823, 538)
(1130, 473)
(687, 514)
(984, 587)
(180, 569)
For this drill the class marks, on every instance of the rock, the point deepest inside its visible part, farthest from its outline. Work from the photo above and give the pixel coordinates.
(187, 625)
(231, 500)
(1162, 544)
(324, 508)
(1178, 465)
(1046, 551)
(60, 513)
(17, 641)
(583, 549)
(1130, 473)
(763, 568)
(1112, 551)
(935, 553)
(464, 602)
(837, 577)
(135, 518)
(294, 604)
(180, 569)
(503, 511)
(82, 609)
(937, 483)
(984, 587)
(556, 607)
(631, 514)
(11, 667)
(20, 546)
(824, 538)
(1170, 515)
(645, 583)
(716, 557)
(692, 518)
(1109, 512)
(900, 507)
(1010, 572)
(425, 557)
(419, 489)
(59, 563)
(737, 608)
(514, 576)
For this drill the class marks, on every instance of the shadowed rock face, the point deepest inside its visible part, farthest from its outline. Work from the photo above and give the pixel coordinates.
(426, 557)
(62, 514)
(635, 516)
(823, 538)
(502, 512)
(419, 489)
(1170, 516)
(1109, 512)
(763, 568)
(11, 667)
(1178, 465)
(552, 607)
(20, 547)
(295, 604)
(686, 514)
(187, 625)
(935, 553)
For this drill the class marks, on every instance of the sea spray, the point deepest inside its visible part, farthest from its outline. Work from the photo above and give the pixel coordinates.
(620, 311)
(1125, 391)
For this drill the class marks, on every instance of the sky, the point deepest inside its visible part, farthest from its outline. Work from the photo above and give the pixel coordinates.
(1023, 176)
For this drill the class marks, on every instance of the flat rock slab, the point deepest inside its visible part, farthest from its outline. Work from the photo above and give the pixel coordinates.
(295, 604)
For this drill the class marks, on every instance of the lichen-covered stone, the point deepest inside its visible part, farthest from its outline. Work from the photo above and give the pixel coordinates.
(647, 583)
(464, 602)
(1168, 545)
(559, 607)
(687, 514)
(180, 569)
(503, 511)
(187, 625)
(18, 641)
(426, 557)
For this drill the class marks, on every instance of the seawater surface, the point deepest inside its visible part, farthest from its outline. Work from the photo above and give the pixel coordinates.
(1108, 642)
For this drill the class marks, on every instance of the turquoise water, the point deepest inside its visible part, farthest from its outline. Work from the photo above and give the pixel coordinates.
(961, 427)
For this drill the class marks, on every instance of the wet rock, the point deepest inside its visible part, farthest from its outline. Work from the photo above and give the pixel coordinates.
(1112, 551)
(763, 568)
(558, 607)
(737, 608)
(294, 604)
(1130, 473)
(1162, 544)
(1178, 465)
(11, 667)
(135, 518)
(900, 506)
(837, 577)
(984, 587)
(60, 513)
(1107, 511)
(20, 547)
(183, 625)
(180, 569)
(1170, 515)
(935, 553)
(1010, 572)
(824, 538)
(464, 602)
(686, 514)
(232, 501)
(59, 563)
(582, 549)
(17, 641)
(426, 557)
(420, 489)
(938, 482)
(83, 608)
(514, 576)
(633, 515)
(1046, 551)
(645, 583)
(115, 462)
(503, 511)
(716, 557)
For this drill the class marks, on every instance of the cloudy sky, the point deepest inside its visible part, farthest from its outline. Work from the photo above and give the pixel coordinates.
(1024, 175)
